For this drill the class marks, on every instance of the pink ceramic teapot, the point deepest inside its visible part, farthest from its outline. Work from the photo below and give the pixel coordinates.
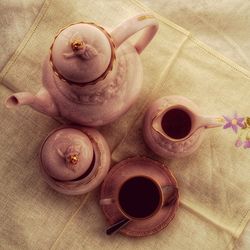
(91, 76)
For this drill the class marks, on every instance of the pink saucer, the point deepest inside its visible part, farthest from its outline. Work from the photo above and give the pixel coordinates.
(133, 167)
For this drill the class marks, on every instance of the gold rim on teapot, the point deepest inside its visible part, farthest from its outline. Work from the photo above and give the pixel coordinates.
(104, 74)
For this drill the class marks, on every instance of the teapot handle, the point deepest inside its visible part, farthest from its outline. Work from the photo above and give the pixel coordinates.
(130, 26)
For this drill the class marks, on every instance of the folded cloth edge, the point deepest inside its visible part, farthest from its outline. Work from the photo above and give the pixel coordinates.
(213, 52)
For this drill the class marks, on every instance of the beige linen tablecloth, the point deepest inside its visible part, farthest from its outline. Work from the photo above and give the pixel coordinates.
(223, 25)
(214, 182)
(15, 20)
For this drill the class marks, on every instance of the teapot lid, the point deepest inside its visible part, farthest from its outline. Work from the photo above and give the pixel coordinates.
(82, 53)
(66, 154)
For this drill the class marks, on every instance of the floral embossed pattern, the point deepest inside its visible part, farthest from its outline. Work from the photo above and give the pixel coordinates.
(112, 89)
(241, 127)
(179, 146)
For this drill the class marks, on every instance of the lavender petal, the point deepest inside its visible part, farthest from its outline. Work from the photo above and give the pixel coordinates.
(240, 119)
(235, 128)
(227, 118)
(247, 144)
(227, 125)
(238, 143)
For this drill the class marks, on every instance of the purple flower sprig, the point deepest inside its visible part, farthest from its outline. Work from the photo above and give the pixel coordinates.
(245, 144)
(234, 122)
(240, 126)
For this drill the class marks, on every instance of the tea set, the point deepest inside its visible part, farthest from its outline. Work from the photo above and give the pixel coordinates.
(91, 77)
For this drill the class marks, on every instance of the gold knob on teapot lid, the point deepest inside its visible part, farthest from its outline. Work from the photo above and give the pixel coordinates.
(78, 44)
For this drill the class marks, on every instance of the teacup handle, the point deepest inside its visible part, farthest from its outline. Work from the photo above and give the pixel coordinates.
(131, 25)
(107, 201)
(171, 195)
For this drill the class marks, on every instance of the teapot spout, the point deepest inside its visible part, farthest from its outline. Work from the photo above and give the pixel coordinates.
(42, 102)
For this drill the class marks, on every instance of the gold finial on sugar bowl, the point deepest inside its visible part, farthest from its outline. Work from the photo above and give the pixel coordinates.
(73, 159)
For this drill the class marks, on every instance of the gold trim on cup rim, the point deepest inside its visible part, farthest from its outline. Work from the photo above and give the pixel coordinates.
(103, 75)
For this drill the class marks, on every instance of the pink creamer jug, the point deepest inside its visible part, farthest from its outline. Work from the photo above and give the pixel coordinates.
(173, 126)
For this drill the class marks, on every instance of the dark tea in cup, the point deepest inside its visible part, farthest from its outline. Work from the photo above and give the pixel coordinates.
(140, 197)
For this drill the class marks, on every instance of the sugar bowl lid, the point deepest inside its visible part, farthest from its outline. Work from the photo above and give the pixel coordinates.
(74, 160)
(67, 154)
(82, 53)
